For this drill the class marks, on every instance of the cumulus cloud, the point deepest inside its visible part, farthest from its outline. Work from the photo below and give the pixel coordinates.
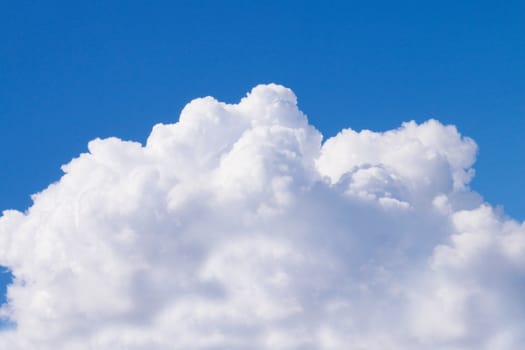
(239, 228)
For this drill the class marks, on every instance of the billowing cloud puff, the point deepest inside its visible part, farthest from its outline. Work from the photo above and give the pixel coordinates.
(239, 228)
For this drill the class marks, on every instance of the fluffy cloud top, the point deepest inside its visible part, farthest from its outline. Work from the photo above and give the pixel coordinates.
(239, 228)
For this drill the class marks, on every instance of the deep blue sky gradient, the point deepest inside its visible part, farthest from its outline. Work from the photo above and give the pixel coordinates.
(73, 71)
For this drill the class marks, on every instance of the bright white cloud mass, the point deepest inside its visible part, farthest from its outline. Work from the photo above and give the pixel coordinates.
(239, 228)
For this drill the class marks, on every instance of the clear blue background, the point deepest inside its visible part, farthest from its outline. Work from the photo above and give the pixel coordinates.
(71, 71)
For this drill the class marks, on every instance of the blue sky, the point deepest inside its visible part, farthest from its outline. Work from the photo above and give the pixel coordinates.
(74, 71)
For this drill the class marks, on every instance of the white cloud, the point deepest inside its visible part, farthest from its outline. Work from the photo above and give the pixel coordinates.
(237, 228)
